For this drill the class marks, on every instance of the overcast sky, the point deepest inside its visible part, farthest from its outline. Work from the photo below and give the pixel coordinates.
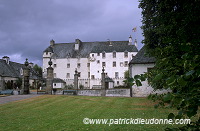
(27, 26)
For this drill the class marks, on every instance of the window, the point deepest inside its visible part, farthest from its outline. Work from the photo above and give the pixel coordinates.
(54, 65)
(21, 71)
(92, 77)
(103, 64)
(79, 74)
(116, 74)
(68, 65)
(126, 54)
(88, 74)
(103, 55)
(88, 64)
(78, 65)
(54, 84)
(126, 63)
(98, 54)
(98, 61)
(114, 64)
(92, 55)
(121, 64)
(68, 75)
(114, 54)
(54, 75)
(117, 82)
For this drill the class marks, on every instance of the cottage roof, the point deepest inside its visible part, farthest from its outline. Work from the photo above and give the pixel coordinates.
(13, 69)
(58, 80)
(142, 58)
(108, 79)
(64, 50)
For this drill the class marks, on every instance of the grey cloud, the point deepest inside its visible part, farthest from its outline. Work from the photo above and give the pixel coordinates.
(27, 26)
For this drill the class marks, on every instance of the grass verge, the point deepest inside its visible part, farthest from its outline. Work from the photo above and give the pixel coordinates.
(62, 112)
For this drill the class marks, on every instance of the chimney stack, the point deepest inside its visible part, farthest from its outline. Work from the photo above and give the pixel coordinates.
(7, 59)
(135, 42)
(52, 43)
(130, 40)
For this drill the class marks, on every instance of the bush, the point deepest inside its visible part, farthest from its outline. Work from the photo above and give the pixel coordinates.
(69, 86)
(81, 86)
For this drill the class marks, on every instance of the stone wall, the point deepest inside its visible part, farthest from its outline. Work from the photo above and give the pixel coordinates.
(109, 92)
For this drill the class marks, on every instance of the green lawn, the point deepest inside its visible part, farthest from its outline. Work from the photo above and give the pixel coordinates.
(62, 112)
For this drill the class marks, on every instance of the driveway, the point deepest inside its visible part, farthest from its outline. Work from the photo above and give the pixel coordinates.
(6, 99)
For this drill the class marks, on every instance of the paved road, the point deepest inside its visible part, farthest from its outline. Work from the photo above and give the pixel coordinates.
(11, 98)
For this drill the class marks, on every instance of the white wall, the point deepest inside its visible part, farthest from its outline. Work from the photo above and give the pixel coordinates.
(96, 68)
(46, 58)
(58, 85)
(61, 68)
(145, 89)
(140, 68)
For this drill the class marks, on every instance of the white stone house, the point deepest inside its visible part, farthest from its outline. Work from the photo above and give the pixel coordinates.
(140, 64)
(89, 58)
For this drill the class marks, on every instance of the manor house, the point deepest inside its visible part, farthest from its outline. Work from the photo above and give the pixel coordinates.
(89, 58)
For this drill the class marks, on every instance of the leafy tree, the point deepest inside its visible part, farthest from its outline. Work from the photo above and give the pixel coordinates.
(171, 30)
(38, 69)
(19, 82)
(126, 74)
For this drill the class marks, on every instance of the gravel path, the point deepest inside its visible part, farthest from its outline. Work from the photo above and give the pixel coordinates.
(11, 98)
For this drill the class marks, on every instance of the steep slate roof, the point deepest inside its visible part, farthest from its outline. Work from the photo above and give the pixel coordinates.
(8, 69)
(58, 80)
(64, 50)
(142, 58)
(13, 70)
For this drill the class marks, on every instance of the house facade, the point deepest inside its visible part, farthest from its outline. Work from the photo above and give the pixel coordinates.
(89, 58)
(10, 72)
(141, 64)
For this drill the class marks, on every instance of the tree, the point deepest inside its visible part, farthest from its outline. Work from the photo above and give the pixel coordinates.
(126, 74)
(171, 32)
(38, 69)
(19, 82)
